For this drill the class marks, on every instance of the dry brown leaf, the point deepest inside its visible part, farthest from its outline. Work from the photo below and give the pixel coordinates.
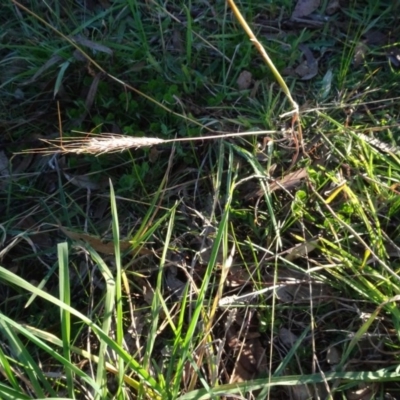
(300, 392)
(41, 239)
(92, 45)
(105, 4)
(177, 42)
(244, 80)
(359, 53)
(300, 292)
(250, 356)
(309, 67)
(290, 180)
(301, 250)
(287, 182)
(238, 276)
(148, 291)
(394, 56)
(92, 92)
(20, 164)
(332, 7)
(153, 154)
(304, 8)
(4, 165)
(287, 338)
(333, 356)
(86, 182)
(95, 242)
(174, 285)
(366, 391)
(375, 38)
(254, 90)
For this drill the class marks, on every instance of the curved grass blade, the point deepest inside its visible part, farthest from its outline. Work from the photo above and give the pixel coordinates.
(65, 297)
(7, 276)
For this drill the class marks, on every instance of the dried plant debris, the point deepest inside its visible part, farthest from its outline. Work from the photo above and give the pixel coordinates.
(308, 68)
(103, 143)
(304, 8)
(98, 144)
(384, 147)
(244, 81)
(287, 182)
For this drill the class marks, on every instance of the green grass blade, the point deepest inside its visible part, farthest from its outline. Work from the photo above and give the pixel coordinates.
(7, 276)
(9, 393)
(118, 288)
(383, 375)
(109, 303)
(187, 341)
(39, 382)
(65, 297)
(7, 371)
(35, 339)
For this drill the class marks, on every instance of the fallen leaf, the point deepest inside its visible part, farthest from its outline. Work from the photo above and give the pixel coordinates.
(375, 38)
(365, 391)
(301, 250)
(92, 91)
(153, 154)
(147, 290)
(300, 293)
(309, 67)
(394, 56)
(4, 165)
(326, 85)
(299, 392)
(304, 8)
(287, 338)
(250, 356)
(92, 45)
(244, 80)
(290, 180)
(287, 182)
(177, 42)
(359, 53)
(40, 239)
(174, 285)
(86, 181)
(333, 356)
(95, 242)
(254, 90)
(332, 7)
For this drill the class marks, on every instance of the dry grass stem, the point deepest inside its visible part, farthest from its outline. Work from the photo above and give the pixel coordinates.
(101, 144)
(113, 143)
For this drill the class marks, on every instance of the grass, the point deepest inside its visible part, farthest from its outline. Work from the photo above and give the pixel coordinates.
(220, 245)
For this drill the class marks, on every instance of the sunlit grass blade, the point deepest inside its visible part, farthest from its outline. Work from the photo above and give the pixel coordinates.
(7, 371)
(109, 304)
(119, 328)
(8, 276)
(382, 375)
(9, 393)
(65, 297)
(198, 307)
(38, 381)
(36, 340)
